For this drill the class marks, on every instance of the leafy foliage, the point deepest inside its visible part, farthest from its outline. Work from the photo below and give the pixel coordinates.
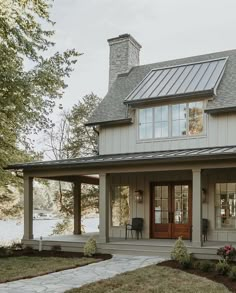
(232, 273)
(222, 267)
(206, 266)
(90, 247)
(27, 96)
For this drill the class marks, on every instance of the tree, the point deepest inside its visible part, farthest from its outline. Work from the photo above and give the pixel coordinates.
(83, 140)
(69, 138)
(27, 97)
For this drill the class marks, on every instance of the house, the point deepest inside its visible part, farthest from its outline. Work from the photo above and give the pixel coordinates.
(167, 152)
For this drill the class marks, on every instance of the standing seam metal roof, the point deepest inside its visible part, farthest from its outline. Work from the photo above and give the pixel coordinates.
(179, 80)
(173, 155)
(112, 107)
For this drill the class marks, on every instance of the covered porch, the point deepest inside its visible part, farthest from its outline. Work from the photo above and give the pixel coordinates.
(202, 168)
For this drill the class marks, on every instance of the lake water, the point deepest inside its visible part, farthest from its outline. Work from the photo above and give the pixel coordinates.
(12, 230)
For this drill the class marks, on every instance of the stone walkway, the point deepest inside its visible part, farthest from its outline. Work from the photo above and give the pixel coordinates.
(61, 281)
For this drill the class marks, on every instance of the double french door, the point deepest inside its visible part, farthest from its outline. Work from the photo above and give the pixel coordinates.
(171, 210)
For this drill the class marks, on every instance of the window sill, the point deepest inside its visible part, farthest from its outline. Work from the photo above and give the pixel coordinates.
(164, 139)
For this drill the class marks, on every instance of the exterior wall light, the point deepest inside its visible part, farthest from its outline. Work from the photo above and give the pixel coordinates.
(138, 196)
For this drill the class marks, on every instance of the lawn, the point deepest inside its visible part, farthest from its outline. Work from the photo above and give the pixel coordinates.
(14, 268)
(153, 279)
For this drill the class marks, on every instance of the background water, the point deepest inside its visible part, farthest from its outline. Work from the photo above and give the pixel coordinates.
(12, 230)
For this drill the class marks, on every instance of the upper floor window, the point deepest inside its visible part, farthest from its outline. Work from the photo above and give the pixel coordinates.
(185, 119)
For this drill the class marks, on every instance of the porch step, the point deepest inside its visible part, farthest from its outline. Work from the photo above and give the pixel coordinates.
(149, 249)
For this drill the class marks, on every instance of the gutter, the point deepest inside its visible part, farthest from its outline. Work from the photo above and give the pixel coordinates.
(110, 122)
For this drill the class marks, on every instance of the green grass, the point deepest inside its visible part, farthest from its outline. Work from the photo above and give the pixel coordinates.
(14, 268)
(153, 279)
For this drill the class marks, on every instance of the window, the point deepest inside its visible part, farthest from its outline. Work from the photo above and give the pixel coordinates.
(120, 205)
(185, 119)
(145, 123)
(179, 119)
(161, 121)
(225, 205)
(195, 118)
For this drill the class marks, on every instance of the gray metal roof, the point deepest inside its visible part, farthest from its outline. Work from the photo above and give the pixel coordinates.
(112, 107)
(179, 80)
(148, 157)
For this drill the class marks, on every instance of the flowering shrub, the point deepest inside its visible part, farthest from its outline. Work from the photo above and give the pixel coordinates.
(228, 252)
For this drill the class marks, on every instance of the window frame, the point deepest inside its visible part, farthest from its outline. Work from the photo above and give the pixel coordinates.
(216, 206)
(170, 137)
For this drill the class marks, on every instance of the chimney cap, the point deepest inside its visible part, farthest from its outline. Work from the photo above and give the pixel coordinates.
(124, 37)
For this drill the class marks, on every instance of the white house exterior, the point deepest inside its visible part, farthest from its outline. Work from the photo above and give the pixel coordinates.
(167, 130)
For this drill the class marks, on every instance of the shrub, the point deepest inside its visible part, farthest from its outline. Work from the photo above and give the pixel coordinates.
(222, 267)
(16, 246)
(4, 251)
(90, 247)
(232, 273)
(56, 248)
(28, 250)
(227, 252)
(206, 266)
(180, 254)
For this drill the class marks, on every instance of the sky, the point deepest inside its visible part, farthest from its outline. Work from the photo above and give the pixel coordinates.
(166, 29)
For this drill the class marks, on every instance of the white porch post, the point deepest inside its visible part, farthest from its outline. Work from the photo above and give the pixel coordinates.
(28, 208)
(104, 186)
(197, 209)
(77, 208)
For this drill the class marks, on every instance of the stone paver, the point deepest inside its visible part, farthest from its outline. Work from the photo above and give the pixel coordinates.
(61, 281)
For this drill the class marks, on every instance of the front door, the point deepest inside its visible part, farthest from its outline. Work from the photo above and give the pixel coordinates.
(171, 210)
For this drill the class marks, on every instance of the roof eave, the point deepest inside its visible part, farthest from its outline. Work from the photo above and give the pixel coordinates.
(208, 93)
(220, 110)
(110, 122)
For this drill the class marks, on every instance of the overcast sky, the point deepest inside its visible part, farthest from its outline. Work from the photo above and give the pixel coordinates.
(166, 29)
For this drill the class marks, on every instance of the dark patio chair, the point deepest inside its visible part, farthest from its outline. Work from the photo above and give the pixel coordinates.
(204, 229)
(137, 226)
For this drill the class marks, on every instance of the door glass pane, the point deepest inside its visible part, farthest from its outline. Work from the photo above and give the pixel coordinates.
(161, 202)
(181, 204)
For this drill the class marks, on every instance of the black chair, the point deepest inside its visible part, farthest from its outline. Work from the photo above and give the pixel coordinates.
(204, 229)
(137, 226)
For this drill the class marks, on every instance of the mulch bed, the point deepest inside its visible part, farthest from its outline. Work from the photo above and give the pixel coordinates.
(231, 285)
(65, 254)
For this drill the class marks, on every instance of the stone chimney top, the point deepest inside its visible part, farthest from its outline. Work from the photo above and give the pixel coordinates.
(124, 54)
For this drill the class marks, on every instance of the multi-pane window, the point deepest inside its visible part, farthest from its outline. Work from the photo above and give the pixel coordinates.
(225, 205)
(120, 205)
(185, 119)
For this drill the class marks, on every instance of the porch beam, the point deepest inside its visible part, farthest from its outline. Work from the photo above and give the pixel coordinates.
(77, 208)
(28, 208)
(131, 167)
(104, 186)
(197, 209)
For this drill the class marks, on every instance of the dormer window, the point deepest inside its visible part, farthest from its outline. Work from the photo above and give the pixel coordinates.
(177, 120)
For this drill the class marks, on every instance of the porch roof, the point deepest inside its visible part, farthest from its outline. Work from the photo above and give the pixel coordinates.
(121, 159)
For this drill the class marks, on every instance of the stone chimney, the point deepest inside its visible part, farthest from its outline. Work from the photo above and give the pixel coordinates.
(124, 54)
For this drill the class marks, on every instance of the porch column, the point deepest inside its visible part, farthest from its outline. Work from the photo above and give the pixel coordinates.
(197, 209)
(104, 186)
(77, 207)
(28, 208)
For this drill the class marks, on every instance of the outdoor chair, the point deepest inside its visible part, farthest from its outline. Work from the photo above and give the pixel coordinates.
(204, 229)
(137, 226)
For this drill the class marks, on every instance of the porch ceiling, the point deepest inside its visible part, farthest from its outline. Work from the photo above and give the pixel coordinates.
(185, 155)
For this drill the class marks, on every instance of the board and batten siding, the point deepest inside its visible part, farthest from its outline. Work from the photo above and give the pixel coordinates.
(142, 181)
(219, 131)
